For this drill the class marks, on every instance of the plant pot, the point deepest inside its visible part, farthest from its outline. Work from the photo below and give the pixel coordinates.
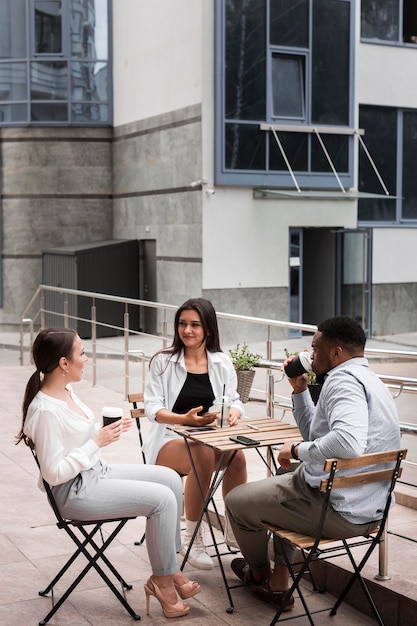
(244, 383)
(314, 389)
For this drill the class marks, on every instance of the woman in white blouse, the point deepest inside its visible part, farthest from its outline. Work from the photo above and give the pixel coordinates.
(68, 444)
(183, 382)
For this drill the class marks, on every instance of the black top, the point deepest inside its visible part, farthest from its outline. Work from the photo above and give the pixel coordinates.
(196, 391)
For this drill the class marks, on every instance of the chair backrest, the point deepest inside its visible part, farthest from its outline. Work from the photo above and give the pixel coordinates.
(46, 485)
(378, 467)
(137, 413)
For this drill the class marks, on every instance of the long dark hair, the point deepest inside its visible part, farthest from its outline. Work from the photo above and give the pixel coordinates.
(208, 317)
(50, 345)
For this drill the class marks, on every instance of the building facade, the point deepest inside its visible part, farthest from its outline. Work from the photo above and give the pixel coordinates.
(261, 151)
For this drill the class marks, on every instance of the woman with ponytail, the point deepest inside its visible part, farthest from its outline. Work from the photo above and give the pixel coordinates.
(68, 443)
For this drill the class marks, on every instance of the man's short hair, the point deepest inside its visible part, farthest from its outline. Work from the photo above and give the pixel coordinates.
(344, 330)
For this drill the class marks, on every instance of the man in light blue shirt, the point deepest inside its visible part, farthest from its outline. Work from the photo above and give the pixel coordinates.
(355, 415)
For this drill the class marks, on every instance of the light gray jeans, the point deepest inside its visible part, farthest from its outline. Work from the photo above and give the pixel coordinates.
(284, 500)
(111, 491)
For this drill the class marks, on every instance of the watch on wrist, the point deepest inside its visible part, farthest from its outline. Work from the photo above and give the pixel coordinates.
(293, 447)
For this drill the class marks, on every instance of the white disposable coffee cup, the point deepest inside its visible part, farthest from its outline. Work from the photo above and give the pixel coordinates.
(300, 365)
(111, 414)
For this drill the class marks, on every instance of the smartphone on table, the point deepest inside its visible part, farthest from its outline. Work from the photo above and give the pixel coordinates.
(245, 441)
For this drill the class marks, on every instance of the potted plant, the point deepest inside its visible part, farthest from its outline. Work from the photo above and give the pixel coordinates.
(313, 384)
(244, 361)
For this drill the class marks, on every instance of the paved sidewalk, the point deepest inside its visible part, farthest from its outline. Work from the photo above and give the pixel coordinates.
(32, 548)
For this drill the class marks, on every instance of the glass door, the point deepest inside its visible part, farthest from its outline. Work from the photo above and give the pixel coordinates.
(354, 275)
(295, 279)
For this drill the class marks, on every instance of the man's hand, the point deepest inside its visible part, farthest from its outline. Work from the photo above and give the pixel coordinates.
(284, 455)
(299, 383)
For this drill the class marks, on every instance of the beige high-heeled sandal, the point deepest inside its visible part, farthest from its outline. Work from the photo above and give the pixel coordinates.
(185, 591)
(169, 610)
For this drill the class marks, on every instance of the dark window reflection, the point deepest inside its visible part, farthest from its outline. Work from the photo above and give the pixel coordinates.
(330, 63)
(379, 19)
(380, 125)
(337, 147)
(289, 23)
(53, 112)
(295, 146)
(245, 147)
(245, 60)
(48, 26)
(409, 190)
(49, 80)
(288, 85)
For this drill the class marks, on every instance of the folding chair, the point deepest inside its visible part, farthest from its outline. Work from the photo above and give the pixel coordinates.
(378, 467)
(137, 413)
(86, 545)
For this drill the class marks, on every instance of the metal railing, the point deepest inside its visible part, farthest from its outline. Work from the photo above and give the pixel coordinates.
(29, 322)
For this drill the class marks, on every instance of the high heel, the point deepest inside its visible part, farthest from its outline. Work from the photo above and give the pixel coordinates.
(169, 610)
(184, 591)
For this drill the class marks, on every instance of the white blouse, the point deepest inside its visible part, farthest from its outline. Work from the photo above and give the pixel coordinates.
(62, 438)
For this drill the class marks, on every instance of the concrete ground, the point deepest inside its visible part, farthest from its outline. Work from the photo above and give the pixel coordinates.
(32, 548)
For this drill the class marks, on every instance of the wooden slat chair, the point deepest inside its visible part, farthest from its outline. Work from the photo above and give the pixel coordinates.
(378, 467)
(87, 545)
(137, 413)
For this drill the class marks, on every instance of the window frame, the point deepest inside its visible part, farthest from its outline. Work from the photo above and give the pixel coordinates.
(65, 56)
(310, 179)
(399, 41)
(399, 220)
(302, 70)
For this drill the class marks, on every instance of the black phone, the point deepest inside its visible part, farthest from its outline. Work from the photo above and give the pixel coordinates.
(245, 441)
(199, 429)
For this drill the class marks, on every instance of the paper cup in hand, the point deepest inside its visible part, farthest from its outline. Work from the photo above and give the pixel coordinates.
(300, 365)
(111, 414)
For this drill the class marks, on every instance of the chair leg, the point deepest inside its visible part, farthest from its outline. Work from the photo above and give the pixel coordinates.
(358, 576)
(296, 578)
(92, 562)
(140, 542)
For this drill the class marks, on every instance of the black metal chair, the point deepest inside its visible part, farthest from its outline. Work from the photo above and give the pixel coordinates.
(311, 548)
(86, 545)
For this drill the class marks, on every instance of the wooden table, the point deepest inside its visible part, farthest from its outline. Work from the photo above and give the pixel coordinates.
(268, 432)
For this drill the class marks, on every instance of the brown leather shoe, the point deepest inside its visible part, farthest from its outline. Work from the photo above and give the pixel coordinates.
(273, 597)
(242, 570)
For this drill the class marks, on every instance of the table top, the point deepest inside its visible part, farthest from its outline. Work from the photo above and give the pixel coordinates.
(267, 430)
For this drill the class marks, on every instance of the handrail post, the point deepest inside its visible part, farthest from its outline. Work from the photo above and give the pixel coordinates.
(65, 313)
(26, 320)
(383, 556)
(164, 330)
(42, 307)
(94, 343)
(269, 378)
(126, 357)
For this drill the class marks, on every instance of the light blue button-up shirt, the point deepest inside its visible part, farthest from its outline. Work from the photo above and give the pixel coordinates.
(355, 415)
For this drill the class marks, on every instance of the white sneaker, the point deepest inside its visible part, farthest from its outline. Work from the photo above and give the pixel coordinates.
(198, 556)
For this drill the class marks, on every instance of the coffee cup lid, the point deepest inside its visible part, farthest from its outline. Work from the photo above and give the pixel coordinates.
(112, 411)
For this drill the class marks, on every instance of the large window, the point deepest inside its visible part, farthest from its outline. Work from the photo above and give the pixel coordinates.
(389, 20)
(54, 62)
(284, 63)
(391, 137)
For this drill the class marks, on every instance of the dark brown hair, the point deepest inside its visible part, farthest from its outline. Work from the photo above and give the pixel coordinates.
(50, 345)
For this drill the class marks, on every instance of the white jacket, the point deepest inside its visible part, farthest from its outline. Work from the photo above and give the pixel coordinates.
(166, 379)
